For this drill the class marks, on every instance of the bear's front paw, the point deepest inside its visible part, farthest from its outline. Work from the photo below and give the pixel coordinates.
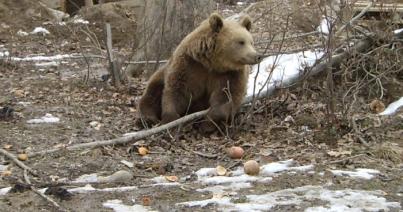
(207, 127)
(143, 123)
(169, 117)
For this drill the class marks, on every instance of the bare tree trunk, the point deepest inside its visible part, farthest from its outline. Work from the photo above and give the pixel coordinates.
(89, 3)
(165, 24)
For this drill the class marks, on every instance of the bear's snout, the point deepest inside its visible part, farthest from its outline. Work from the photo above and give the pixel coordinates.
(252, 59)
(258, 58)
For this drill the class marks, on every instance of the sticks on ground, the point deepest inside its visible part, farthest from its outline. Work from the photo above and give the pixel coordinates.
(44, 196)
(26, 178)
(17, 162)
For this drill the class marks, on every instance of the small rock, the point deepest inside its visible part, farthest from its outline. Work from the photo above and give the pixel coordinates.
(22, 157)
(119, 176)
(251, 167)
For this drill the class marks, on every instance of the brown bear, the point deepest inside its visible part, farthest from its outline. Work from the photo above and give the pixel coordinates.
(209, 69)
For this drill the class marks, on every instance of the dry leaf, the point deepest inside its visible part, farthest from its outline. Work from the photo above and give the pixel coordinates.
(7, 146)
(146, 201)
(338, 153)
(172, 178)
(6, 173)
(143, 151)
(221, 171)
(376, 106)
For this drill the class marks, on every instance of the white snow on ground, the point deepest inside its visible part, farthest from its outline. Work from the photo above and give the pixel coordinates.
(398, 31)
(40, 30)
(3, 168)
(209, 176)
(393, 107)
(338, 200)
(47, 118)
(87, 178)
(324, 26)
(4, 54)
(45, 64)
(4, 191)
(118, 206)
(366, 174)
(80, 21)
(22, 33)
(42, 58)
(283, 67)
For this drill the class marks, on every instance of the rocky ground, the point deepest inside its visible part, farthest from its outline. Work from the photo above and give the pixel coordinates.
(309, 160)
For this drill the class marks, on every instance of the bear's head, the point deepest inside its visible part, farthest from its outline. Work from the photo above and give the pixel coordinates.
(233, 43)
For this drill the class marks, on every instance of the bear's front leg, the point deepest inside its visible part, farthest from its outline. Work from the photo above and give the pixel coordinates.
(174, 105)
(149, 106)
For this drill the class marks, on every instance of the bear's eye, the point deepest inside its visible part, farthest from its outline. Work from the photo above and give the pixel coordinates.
(241, 42)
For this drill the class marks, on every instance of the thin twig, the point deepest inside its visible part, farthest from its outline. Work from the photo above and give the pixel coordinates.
(362, 13)
(19, 163)
(205, 155)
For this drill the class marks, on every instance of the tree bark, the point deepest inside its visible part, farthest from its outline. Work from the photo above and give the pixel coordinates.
(165, 24)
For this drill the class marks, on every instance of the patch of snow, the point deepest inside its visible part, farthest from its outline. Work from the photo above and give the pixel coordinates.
(127, 163)
(398, 31)
(366, 174)
(162, 181)
(80, 21)
(87, 178)
(4, 191)
(234, 179)
(219, 189)
(208, 176)
(47, 118)
(44, 64)
(275, 167)
(40, 30)
(42, 58)
(24, 103)
(338, 200)
(392, 107)
(4, 54)
(3, 168)
(118, 206)
(324, 26)
(203, 172)
(22, 33)
(274, 71)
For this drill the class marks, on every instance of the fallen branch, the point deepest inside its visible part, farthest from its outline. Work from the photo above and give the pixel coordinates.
(336, 59)
(17, 162)
(127, 137)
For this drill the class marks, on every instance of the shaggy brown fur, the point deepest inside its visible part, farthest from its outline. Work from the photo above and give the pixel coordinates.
(209, 69)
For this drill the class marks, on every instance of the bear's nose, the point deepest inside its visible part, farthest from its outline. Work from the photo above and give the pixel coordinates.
(259, 57)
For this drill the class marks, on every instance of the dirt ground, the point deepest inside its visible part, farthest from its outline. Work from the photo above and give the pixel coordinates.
(90, 109)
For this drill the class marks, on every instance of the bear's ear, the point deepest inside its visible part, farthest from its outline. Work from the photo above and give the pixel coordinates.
(246, 22)
(216, 22)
